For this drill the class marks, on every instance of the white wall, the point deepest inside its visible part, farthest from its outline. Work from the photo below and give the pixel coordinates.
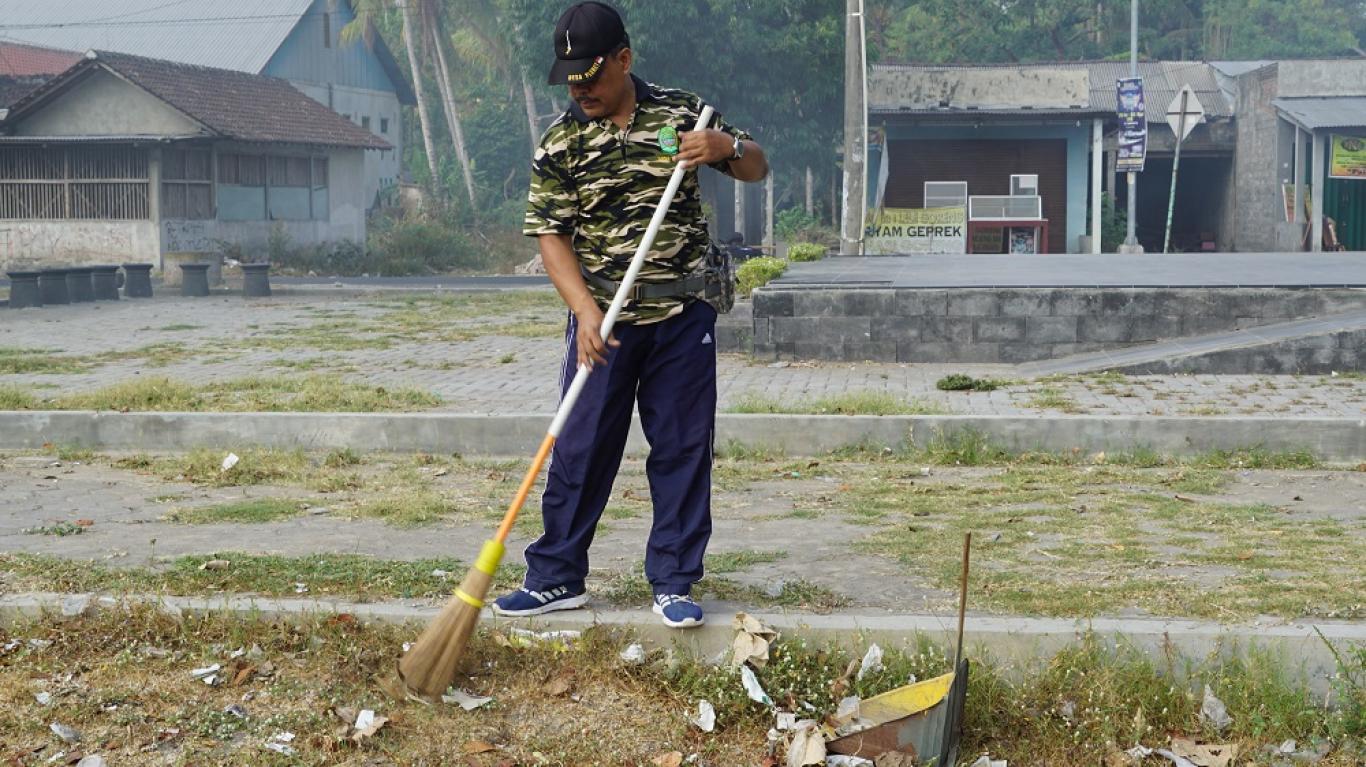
(346, 218)
(381, 168)
(102, 104)
(41, 244)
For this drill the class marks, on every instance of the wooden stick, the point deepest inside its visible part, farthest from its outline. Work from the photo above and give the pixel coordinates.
(963, 599)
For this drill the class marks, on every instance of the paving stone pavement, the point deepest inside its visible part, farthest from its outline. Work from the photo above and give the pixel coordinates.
(221, 339)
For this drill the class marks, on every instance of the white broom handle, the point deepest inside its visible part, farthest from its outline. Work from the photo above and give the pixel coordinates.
(610, 320)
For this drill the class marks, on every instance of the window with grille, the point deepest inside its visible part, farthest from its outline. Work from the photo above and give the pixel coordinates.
(257, 188)
(86, 182)
(187, 184)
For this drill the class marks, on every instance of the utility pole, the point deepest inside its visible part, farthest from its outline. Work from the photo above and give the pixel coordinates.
(1131, 239)
(855, 149)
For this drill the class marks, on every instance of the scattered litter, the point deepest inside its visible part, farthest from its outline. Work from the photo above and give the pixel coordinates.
(987, 761)
(752, 640)
(848, 709)
(807, 747)
(300, 588)
(44, 698)
(216, 564)
(85, 523)
(10, 647)
(230, 461)
(39, 644)
(93, 760)
(1068, 710)
(841, 760)
(634, 655)
(236, 710)
(280, 748)
(925, 471)
(458, 697)
(780, 365)
(1214, 712)
(872, 662)
(367, 724)
(1205, 755)
(670, 759)
(995, 538)
(896, 759)
(441, 573)
(206, 672)
(1179, 761)
(558, 640)
(785, 720)
(752, 688)
(706, 716)
(1184, 498)
(1290, 746)
(65, 733)
(776, 588)
(235, 654)
(478, 747)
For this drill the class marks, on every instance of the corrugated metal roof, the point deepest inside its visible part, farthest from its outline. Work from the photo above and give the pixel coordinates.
(1162, 80)
(1330, 112)
(241, 35)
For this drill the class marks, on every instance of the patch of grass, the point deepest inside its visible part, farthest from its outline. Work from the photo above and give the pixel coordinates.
(739, 561)
(850, 403)
(1257, 458)
(176, 328)
(340, 459)
(528, 329)
(248, 512)
(16, 398)
(60, 529)
(966, 447)
(411, 508)
(623, 715)
(963, 382)
(205, 467)
(507, 359)
(1050, 398)
(323, 394)
(14, 361)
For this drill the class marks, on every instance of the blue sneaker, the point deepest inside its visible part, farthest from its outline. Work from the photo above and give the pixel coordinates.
(678, 611)
(524, 601)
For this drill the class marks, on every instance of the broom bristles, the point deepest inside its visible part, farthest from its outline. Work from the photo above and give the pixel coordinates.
(429, 667)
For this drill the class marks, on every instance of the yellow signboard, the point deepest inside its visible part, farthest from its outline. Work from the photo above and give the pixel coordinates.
(1349, 157)
(897, 231)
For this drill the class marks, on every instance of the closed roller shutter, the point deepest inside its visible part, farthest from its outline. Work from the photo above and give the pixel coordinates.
(987, 167)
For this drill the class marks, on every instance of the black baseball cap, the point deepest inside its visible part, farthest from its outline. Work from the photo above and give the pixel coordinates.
(585, 36)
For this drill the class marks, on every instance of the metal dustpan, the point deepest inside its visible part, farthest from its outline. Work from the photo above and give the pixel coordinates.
(923, 720)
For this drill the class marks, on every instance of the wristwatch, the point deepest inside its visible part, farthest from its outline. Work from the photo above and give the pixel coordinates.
(737, 149)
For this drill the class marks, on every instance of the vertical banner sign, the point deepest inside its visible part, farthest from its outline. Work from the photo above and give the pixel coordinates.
(1133, 126)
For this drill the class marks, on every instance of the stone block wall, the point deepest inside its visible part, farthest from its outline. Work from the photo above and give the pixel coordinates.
(1009, 326)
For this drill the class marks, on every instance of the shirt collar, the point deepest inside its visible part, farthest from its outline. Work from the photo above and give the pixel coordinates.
(644, 92)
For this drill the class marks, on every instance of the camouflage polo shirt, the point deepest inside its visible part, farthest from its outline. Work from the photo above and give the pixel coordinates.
(601, 184)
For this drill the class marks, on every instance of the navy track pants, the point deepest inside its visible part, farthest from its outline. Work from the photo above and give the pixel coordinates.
(669, 369)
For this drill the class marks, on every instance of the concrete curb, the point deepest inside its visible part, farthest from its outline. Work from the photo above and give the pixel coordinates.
(1332, 439)
(1014, 641)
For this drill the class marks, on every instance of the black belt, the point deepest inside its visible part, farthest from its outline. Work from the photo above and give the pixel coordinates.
(694, 285)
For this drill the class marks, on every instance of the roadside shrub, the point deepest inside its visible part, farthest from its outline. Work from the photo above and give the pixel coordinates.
(346, 258)
(421, 244)
(805, 251)
(791, 222)
(758, 272)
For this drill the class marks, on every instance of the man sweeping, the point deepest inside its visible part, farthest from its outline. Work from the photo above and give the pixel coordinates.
(596, 178)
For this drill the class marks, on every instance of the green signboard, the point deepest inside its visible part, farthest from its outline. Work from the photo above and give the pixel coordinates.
(1349, 157)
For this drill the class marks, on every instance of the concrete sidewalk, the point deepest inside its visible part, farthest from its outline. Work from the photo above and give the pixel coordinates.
(482, 372)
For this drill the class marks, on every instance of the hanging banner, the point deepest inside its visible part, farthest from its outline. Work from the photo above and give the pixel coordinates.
(1349, 158)
(1133, 126)
(898, 231)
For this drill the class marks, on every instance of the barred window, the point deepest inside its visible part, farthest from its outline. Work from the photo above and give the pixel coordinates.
(278, 188)
(187, 184)
(84, 182)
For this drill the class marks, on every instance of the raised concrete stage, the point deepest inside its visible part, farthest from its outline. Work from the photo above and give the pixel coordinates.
(1021, 309)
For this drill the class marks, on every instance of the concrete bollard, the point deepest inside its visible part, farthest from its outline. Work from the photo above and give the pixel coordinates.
(194, 282)
(256, 280)
(52, 284)
(78, 285)
(137, 281)
(24, 292)
(105, 282)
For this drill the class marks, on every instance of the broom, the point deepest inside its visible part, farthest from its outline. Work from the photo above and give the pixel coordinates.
(427, 669)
